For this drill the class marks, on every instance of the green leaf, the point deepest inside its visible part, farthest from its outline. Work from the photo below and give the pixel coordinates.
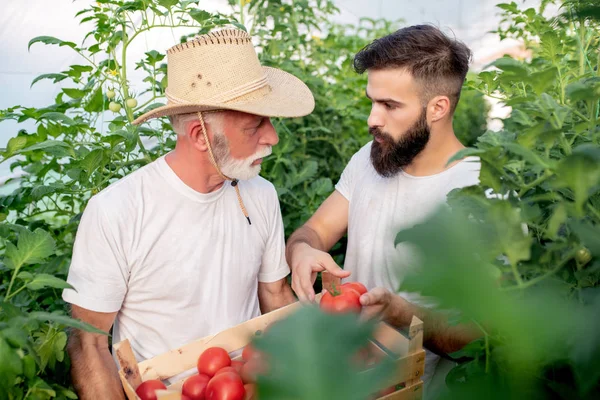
(41, 388)
(542, 80)
(55, 78)
(550, 45)
(321, 186)
(74, 93)
(168, 3)
(48, 144)
(67, 321)
(580, 172)
(558, 218)
(308, 170)
(11, 365)
(318, 366)
(578, 91)
(200, 15)
(56, 116)
(154, 56)
(92, 161)
(511, 66)
(41, 281)
(41, 191)
(95, 102)
(50, 40)
(32, 247)
(14, 145)
(466, 152)
(527, 154)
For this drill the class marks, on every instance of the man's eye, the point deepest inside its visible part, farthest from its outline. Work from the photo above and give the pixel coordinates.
(390, 106)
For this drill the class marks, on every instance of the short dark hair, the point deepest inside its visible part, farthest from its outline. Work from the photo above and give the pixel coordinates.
(438, 63)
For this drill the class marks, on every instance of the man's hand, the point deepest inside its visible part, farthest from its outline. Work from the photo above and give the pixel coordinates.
(306, 263)
(380, 303)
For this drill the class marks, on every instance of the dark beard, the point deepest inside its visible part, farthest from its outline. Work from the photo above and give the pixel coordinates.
(389, 157)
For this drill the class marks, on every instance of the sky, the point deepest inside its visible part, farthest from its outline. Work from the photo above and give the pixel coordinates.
(21, 20)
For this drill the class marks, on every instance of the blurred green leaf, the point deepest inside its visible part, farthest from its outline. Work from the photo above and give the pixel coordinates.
(311, 357)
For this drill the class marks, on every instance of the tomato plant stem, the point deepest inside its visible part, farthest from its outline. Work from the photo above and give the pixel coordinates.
(487, 346)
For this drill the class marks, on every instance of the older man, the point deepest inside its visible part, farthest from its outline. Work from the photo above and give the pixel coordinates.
(192, 243)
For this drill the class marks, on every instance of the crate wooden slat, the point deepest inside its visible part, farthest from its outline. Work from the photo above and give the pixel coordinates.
(407, 352)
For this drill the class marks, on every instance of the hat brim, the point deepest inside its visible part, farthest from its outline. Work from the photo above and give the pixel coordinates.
(289, 97)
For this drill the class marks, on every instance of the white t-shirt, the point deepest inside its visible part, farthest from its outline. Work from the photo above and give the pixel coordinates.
(176, 264)
(381, 207)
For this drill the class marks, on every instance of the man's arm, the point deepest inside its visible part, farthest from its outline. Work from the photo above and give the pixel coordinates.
(307, 247)
(274, 295)
(438, 336)
(93, 370)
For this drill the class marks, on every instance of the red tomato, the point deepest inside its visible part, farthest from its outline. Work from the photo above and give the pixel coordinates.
(249, 352)
(184, 397)
(237, 365)
(252, 369)
(146, 390)
(212, 360)
(359, 287)
(250, 391)
(194, 387)
(225, 386)
(341, 300)
(227, 369)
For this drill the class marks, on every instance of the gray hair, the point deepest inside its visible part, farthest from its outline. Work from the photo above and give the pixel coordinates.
(180, 121)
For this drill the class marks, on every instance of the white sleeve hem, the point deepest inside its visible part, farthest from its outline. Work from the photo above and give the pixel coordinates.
(274, 276)
(341, 191)
(97, 305)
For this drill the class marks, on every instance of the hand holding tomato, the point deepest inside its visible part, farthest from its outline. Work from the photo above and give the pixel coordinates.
(343, 298)
(381, 303)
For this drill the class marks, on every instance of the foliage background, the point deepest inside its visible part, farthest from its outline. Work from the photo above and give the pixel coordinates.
(536, 305)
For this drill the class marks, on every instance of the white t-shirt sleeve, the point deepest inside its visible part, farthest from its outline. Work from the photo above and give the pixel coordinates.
(98, 269)
(274, 266)
(358, 162)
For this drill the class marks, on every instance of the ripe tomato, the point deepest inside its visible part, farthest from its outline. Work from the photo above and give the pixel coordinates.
(194, 387)
(341, 300)
(225, 386)
(249, 352)
(227, 369)
(252, 369)
(359, 287)
(237, 364)
(250, 389)
(146, 390)
(212, 360)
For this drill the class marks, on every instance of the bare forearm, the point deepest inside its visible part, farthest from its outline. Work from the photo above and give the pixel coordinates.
(94, 372)
(270, 301)
(304, 235)
(438, 335)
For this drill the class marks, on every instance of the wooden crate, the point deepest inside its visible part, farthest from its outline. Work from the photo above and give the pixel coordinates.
(406, 349)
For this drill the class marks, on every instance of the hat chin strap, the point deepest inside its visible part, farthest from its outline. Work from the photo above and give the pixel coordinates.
(234, 182)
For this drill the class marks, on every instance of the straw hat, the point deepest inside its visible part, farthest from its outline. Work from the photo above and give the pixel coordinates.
(221, 71)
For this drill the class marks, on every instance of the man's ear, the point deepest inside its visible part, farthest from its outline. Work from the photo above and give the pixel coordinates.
(439, 108)
(196, 136)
